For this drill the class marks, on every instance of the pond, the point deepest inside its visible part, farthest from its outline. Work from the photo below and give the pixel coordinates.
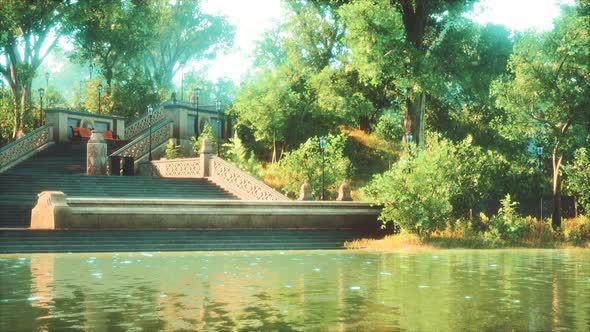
(337, 290)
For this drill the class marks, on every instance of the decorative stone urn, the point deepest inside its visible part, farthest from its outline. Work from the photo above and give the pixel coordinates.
(344, 192)
(96, 154)
(305, 192)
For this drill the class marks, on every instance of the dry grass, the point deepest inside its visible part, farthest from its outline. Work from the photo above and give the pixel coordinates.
(389, 242)
(574, 235)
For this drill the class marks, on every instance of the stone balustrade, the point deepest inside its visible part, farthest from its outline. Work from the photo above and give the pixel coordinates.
(240, 183)
(138, 149)
(142, 123)
(25, 147)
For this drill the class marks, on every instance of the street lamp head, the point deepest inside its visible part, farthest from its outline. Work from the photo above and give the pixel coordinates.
(197, 91)
(47, 75)
(41, 92)
(99, 88)
(218, 105)
(539, 150)
(409, 137)
(323, 142)
(150, 110)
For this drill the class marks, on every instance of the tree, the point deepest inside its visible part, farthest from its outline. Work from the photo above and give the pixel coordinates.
(392, 44)
(182, 33)
(550, 89)
(28, 32)
(280, 103)
(110, 33)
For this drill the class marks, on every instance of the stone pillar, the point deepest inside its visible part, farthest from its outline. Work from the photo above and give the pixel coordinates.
(205, 155)
(305, 192)
(96, 155)
(344, 192)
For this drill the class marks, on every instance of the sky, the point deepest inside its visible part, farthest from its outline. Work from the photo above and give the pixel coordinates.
(254, 17)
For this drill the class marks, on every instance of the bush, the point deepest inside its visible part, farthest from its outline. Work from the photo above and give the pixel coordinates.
(508, 223)
(172, 150)
(427, 188)
(578, 178)
(577, 230)
(305, 164)
(237, 154)
(207, 132)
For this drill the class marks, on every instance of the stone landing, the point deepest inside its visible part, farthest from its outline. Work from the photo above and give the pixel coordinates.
(54, 210)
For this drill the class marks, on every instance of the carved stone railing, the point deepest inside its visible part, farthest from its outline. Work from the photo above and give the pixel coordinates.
(241, 183)
(139, 147)
(25, 146)
(142, 123)
(172, 168)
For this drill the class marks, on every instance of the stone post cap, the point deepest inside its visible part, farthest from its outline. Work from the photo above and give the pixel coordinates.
(305, 192)
(206, 146)
(96, 137)
(344, 192)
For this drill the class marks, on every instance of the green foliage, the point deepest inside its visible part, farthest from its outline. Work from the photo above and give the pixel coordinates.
(508, 223)
(577, 231)
(305, 164)
(578, 178)
(172, 150)
(426, 188)
(207, 132)
(236, 153)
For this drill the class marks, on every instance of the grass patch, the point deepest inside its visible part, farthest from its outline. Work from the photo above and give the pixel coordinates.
(575, 233)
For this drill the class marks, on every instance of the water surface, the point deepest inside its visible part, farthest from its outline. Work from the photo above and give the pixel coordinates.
(453, 290)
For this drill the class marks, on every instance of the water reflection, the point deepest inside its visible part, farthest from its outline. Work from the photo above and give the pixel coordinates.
(292, 291)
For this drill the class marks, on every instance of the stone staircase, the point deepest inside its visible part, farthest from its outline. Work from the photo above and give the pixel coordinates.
(61, 168)
(29, 241)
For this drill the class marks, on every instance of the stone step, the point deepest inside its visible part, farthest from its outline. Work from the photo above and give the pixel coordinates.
(94, 241)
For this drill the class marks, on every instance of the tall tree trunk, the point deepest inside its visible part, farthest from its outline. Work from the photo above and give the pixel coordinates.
(556, 216)
(414, 118)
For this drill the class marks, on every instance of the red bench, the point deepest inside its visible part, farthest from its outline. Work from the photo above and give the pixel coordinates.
(81, 133)
(108, 135)
(85, 133)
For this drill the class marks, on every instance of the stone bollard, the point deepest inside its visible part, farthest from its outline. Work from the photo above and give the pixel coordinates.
(305, 192)
(205, 156)
(96, 154)
(344, 192)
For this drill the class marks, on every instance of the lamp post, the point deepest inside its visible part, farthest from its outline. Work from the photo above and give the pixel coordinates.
(41, 93)
(197, 92)
(218, 109)
(47, 82)
(90, 68)
(99, 93)
(181, 86)
(323, 141)
(150, 113)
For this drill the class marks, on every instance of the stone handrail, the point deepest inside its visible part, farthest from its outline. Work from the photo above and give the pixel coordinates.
(241, 183)
(139, 147)
(25, 146)
(172, 168)
(142, 123)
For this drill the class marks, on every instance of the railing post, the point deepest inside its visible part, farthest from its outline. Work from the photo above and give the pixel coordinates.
(205, 155)
(96, 154)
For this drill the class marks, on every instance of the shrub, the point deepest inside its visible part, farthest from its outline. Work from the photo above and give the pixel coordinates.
(578, 178)
(236, 153)
(427, 188)
(509, 224)
(207, 132)
(172, 150)
(305, 164)
(577, 230)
